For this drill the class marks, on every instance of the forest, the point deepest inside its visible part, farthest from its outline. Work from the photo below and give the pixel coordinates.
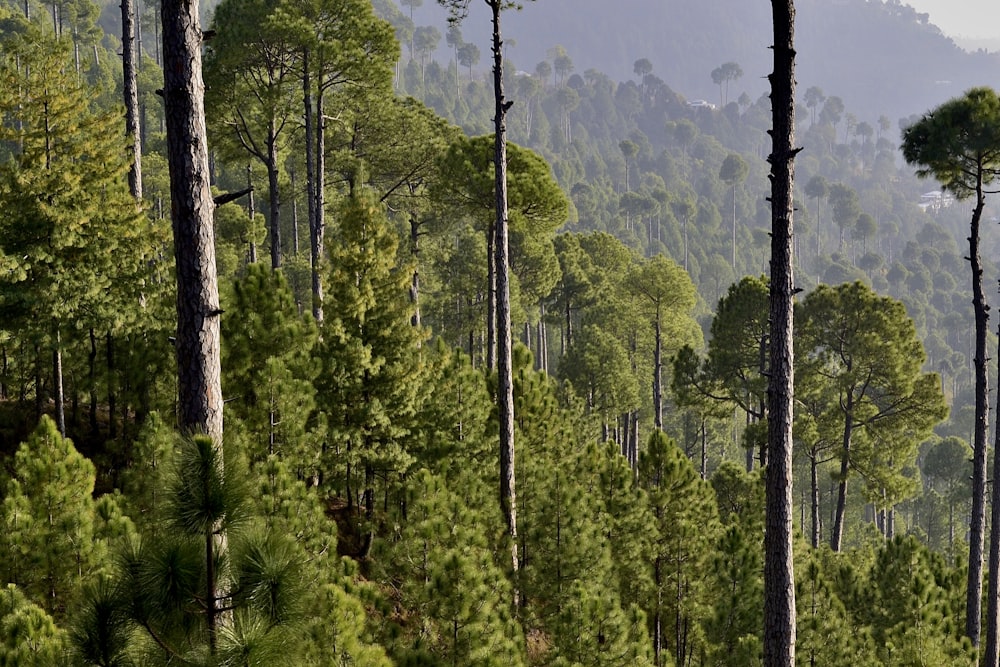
(350, 513)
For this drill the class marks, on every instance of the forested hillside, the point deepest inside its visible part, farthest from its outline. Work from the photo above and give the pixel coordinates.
(352, 515)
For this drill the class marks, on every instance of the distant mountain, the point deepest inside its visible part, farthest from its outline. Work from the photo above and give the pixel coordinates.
(880, 58)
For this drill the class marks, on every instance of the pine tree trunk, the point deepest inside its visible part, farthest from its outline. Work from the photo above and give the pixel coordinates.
(198, 353)
(658, 374)
(130, 91)
(57, 381)
(992, 654)
(505, 384)
(779, 578)
(274, 193)
(251, 214)
(317, 308)
(295, 213)
(415, 278)
(977, 525)
(319, 208)
(836, 537)
(814, 500)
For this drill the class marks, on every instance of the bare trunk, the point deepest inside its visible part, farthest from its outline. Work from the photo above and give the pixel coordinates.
(314, 247)
(57, 381)
(274, 194)
(319, 225)
(505, 385)
(658, 375)
(198, 353)
(814, 498)
(251, 214)
(415, 278)
(779, 578)
(130, 90)
(992, 654)
(977, 526)
(836, 537)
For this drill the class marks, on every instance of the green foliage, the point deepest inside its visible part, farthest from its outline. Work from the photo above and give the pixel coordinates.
(269, 369)
(958, 143)
(30, 637)
(48, 543)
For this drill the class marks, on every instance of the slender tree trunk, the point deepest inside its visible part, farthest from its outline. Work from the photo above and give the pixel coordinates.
(319, 224)
(295, 213)
(314, 249)
(991, 657)
(274, 193)
(836, 537)
(130, 91)
(814, 501)
(977, 525)
(251, 214)
(505, 384)
(658, 374)
(491, 297)
(198, 352)
(779, 578)
(415, 278)
(58, 393)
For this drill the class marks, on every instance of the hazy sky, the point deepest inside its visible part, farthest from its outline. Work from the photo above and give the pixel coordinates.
(979, 19)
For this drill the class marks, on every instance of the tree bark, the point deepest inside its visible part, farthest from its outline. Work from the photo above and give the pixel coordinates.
(658, 374)
(837, 536)
(274, 194)
(198, 350)
(505, 383)
(319, 207)
(779, 578)
(57, 381)
(977, 524)
(317, 290)
(130, 91)
(992, 654)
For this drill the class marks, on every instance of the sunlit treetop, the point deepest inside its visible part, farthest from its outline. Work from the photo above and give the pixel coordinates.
(958, 143)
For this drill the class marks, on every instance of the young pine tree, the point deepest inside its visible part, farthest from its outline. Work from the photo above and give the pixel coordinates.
(370, 385)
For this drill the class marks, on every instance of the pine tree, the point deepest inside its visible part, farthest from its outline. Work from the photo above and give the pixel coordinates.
(62, 224)
(686, 521)
(269, 369)
(370, 384)
(28, 636)
(49, 544)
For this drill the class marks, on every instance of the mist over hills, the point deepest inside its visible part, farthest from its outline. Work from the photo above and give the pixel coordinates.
(881, 58)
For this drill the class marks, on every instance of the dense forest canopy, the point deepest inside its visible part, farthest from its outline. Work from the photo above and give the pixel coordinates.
(351, 514)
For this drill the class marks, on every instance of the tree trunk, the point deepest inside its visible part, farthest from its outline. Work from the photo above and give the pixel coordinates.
(814, 501)
(779, 578)
(130, 90)
(57, 381)
(295, 213)
(415, 278)
(319, 209)
(977, 525)
(991, 657)
(314, 249)
(198, 353)
(491, 296)
(836, 537)
(505, 384)
(274, 194)
(251, 214)
(658, 374)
